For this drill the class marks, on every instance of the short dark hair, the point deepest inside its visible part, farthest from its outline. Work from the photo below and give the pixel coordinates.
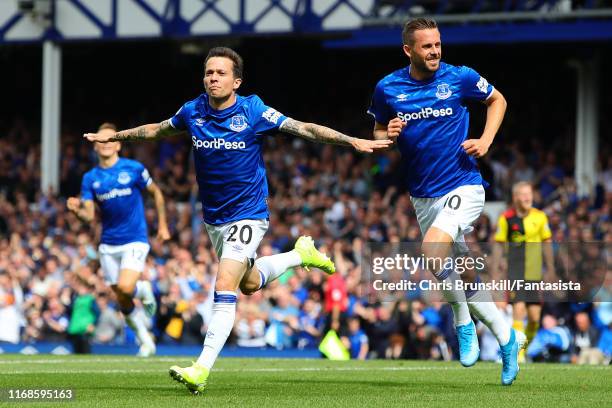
(107, 125)
(414, 25)
(227, 53)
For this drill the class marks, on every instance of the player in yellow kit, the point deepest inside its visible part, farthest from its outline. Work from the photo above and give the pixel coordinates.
(525, 233)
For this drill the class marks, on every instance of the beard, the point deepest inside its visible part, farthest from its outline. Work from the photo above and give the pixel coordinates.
(420, 64)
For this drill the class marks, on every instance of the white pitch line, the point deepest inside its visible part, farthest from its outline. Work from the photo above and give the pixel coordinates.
(90, 360)
(235, 370)
(285, 369)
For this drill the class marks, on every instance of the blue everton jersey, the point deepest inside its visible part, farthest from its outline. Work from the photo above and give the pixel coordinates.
(437, 121)
(227, 148)
(117, 190)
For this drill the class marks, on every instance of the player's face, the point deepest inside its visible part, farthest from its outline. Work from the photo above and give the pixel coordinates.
(219, 80)
(523, 198)
(107, 150)
(426, 51)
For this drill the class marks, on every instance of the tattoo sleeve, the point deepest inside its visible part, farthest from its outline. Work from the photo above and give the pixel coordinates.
(146, 132)
(315, 133)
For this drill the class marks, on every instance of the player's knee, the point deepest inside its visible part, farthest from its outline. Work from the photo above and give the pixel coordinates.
(433, 256)
(248, 288)
(124, 289)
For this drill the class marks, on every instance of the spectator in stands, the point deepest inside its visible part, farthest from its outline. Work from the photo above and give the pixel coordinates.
(83, 315)
(110, 323)
(250, 327)
(550, 177)
(382, 327)
(551, 343)
(520, 170)
(284, 321)
(355, 339)
(585, 341)
(55, 321)
(11, 297)
(311, 325)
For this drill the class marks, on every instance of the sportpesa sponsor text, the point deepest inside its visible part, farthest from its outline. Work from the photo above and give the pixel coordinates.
(114, 193)
(424, 113)
(217, 144)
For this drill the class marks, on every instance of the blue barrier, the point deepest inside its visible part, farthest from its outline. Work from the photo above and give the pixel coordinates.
(162, 350)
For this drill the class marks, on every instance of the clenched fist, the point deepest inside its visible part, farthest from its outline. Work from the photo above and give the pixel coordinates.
(73, 204)
(394, 128)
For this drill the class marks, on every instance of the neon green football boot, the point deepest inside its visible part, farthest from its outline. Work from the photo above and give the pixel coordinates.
(311, 257)
(194, 377)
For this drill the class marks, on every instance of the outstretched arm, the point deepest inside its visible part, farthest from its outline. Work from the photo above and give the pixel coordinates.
(322, 134)
(145, 132)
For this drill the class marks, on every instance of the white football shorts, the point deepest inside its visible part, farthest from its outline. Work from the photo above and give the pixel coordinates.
(453, 213)
(114, 258)
(238, 240)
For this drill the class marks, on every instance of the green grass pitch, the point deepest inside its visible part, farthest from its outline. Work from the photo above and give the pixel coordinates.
(126, 381)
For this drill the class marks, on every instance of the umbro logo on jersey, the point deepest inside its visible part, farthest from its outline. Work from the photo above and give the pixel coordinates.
(402, 97)
(96, 184)
(199, 122)
(443, 91)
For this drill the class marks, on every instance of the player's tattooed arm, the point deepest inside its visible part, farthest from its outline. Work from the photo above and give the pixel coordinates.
(315, 133)
(323, 134)
(151, 131)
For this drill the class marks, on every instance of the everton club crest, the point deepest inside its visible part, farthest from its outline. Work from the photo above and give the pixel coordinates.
(443, 91)
(238, 123)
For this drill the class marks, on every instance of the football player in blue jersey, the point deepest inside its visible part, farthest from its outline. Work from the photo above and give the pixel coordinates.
(116, 185)
(422, 107)
(227, 133)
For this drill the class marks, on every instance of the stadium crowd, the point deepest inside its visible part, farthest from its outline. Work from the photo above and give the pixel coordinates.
(51, 288)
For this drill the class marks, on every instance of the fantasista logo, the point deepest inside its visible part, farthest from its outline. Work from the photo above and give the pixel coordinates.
(219, 144)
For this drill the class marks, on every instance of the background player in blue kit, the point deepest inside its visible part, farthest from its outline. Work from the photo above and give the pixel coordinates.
(423, 108)
(116, 185)
(227, 133)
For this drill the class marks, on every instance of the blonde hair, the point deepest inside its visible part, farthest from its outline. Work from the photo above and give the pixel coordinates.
(519, 185)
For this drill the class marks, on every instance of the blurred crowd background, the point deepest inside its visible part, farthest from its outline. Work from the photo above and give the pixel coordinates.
(50, 282)
(49, 263)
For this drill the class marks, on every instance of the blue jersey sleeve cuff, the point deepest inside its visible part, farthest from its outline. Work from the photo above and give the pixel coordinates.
(377, 118)
(282, 120)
